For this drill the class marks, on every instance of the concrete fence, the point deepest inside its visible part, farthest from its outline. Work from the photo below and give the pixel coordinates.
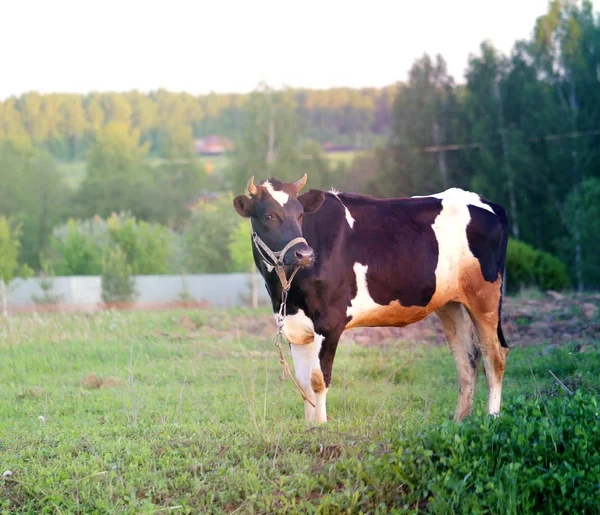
(83, 293)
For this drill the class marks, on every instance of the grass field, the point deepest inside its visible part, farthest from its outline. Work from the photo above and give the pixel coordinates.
(186, 412)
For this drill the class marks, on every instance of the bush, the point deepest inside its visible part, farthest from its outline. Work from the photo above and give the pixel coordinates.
(79, 246)
(118, 285)
(526, 266)
(150, 248)
(532, 459)
(147, 246)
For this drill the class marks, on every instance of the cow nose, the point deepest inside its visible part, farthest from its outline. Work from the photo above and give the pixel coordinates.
(303, 256)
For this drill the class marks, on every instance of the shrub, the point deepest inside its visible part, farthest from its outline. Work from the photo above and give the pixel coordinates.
(526, 266)
(147, 246)
(150, 248)
(79, 246)
(532, 459)
(118, 285)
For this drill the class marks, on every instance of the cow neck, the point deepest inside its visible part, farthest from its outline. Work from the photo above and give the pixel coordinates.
(276, 259)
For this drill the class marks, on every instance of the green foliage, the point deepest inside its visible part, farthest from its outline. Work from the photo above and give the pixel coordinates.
(67, 124)
(174, 184)
(582, 209)
(79, 246)
(116, 174)
(526, 266)
(207, 235)
(118, 286)
(9, 252)
(32, 193)
(150, 248)
(147, 246)
(240, 247)
(537, 457)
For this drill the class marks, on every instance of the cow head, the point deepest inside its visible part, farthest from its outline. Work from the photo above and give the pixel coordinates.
(276, 213)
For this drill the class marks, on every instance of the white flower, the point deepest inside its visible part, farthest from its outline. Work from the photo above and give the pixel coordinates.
(7, 473)
(42, 418)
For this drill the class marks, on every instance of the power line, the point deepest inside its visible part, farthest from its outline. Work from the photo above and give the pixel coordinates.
(462, 146)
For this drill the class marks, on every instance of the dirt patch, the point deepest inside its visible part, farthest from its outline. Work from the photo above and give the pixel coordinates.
(556, 319)
(32, 393)
(93, 382)
(187, 323)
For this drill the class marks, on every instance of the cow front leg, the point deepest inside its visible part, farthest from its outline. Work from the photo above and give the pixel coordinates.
(306, 362)
(321, 377)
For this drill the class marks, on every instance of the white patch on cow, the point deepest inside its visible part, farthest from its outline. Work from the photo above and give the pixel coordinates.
(494, 396)
(306, 359)
(363, 301)
(280, 196)
(454, 255)
(305, 348)
(321, 407)
(450, 228)
(349, 217)
(298, 328)
(459, 195)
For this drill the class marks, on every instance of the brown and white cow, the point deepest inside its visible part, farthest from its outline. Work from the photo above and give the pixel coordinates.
(384, 262)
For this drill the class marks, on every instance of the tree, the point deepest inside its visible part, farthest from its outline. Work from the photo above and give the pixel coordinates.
(565, 50)
(146, 246)
(207, 235)
(116, 174)
(486, 78)
(9, 259)
(118, 286)
(426, 113)
(583, 205)
(269, 144)
(79, 245)
(34, 194)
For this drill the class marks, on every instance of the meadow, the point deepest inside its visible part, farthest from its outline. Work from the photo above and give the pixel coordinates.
(186, 412)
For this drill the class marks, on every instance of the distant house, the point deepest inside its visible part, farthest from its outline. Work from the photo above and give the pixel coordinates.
(212, 145)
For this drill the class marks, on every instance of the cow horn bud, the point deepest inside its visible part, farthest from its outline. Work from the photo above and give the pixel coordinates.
(300, 184)
(251, 188)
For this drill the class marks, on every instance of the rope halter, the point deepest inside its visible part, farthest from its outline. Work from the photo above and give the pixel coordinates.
(276, 258)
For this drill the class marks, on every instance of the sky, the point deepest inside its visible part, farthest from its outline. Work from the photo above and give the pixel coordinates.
(230, 46)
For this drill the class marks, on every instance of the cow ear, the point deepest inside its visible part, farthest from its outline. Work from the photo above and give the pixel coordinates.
(311, 200)
(243, 205)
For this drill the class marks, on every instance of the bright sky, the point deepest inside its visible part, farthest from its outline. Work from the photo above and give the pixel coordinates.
(231, 45)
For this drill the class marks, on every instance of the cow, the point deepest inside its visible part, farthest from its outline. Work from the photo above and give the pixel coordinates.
(366, 262)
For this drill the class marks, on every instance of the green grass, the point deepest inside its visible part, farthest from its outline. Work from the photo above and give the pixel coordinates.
(198, 420)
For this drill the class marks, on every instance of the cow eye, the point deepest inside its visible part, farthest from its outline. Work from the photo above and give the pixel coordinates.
(268, 216)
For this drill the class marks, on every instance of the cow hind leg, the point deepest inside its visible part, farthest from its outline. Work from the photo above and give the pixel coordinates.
(494, 357)
(458, 327)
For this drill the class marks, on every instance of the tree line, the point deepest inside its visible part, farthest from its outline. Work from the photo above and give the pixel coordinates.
(66, 125)
(522, 130)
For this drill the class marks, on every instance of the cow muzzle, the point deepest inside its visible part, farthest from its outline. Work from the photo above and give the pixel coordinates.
(301, 255)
